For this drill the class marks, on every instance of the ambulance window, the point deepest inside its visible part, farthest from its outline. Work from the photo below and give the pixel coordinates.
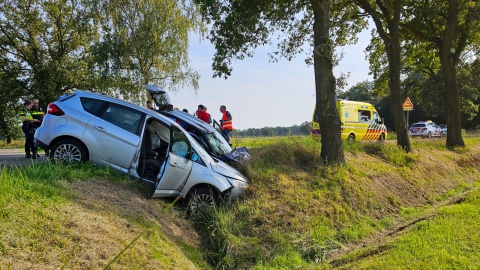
(363, 116)
(375, 117)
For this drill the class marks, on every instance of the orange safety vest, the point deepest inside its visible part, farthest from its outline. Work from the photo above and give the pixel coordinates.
(226, 124)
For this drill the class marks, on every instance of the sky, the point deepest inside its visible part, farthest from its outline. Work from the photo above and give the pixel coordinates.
(261, 94)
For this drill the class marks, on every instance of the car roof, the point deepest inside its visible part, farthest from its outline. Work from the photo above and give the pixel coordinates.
(345, 102)
(189, 119)
(88, 94)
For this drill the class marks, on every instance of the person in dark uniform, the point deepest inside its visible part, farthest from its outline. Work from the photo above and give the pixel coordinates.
(38, 114)
(28, 128)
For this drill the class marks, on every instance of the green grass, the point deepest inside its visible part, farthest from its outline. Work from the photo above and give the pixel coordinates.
(296, 214)
(83, 216)
(14, 144)
(448, 240)
(298, 211)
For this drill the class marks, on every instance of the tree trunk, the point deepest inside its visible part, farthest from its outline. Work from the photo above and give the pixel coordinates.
(329, 120)
(394, 67)
(5, 127)
(452, 99)
(391, 40)
(449, 72)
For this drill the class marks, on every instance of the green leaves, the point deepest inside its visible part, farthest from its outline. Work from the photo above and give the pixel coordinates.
(114, 46)
(238, 27)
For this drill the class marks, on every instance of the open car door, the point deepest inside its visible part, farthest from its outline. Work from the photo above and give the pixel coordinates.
(177, 168)
(218, 127)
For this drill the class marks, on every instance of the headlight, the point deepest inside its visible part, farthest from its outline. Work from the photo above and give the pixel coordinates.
(237, 183)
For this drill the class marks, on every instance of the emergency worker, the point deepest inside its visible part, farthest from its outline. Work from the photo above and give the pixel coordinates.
(38, 114)
(226, 123)
(28, 128)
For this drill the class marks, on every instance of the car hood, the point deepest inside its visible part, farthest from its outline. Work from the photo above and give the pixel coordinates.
(239, 155)
(224, 169)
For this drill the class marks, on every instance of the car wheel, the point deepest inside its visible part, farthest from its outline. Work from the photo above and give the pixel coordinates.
(382, 137)
(429, 134)
(68, 151)
(200, 199)
(351, 137)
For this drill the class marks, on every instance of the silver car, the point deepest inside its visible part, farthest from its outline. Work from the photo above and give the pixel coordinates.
(425, 129)
(210, 137)
(140, 142)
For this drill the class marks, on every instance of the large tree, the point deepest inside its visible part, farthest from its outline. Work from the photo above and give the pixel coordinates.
(44, 45)
(451, 26)
(9, 120)
(238, 27)
(114, 46)
(362, 91)
(146, 42)
(386, 15)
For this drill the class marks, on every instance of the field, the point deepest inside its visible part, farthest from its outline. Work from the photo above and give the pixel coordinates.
(385, 209)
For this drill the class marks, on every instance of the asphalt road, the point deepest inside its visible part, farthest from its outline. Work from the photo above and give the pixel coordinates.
(16, 157)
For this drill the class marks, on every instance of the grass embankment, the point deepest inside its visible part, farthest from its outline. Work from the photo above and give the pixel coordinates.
(384, 209)
(299, 214)
(83, 217)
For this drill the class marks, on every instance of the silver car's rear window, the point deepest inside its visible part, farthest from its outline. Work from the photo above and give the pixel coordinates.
(91, 105)
(418, 125)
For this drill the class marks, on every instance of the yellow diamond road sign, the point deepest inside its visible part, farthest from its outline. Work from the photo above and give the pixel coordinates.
(407, 104)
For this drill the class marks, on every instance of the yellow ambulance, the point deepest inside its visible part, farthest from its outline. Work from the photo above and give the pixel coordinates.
(360, 121)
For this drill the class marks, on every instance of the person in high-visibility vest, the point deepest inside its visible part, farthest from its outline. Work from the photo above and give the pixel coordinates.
(28, 128)
(226, 123)
(37, 113)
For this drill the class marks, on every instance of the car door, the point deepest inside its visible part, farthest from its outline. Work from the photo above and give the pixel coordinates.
(114, 135)
(179, 164)
(217, 126)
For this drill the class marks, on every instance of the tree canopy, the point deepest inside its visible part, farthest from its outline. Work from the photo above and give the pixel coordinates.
(447, 27)
(49, 47)
(116, 46)
(295, 27)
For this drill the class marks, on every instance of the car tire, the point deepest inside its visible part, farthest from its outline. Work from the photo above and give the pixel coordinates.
(68, 150)
(429, 135)
(199, 199)
(351, 138)
(382, 137)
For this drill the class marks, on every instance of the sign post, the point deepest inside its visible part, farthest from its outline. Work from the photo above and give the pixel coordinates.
(407, 106)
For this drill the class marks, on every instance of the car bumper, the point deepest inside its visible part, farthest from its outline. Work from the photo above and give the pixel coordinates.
(237, 190)
(41, 145)
(417, 133)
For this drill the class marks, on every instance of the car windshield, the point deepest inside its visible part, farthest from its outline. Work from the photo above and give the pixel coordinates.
(418, 125)
(218, 145)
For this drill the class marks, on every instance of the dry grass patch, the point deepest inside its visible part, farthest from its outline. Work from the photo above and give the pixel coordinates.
(93, 226)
